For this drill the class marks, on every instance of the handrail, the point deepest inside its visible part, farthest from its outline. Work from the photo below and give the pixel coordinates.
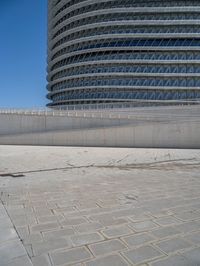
(115, 111)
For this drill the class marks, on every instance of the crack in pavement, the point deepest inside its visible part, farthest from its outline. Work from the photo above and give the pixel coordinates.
(151, 165)
(14, 227)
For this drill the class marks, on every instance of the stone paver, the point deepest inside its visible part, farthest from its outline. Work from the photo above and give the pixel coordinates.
(56, 234)
(12, 252)
(117, 231)
(140, 217)
(176, 260)
(21, 261)
(188, 215)
(8, 234)
(173, 245)
(32, 238)
(99, 207)
(67, 257)
(84, 239)
(73, 221)
(142, 254)
(193, 256)
(108, 246)
(42, 260)
(44, 227)
(88, 227)
(167, 220)
(108, 261)
(46, 246)
(187, 227)
(111, 222)
(138, 239)
(193, 237)
(143, 226)
(164, 232)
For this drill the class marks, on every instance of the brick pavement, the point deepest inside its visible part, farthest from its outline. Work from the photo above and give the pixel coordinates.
(101, 215)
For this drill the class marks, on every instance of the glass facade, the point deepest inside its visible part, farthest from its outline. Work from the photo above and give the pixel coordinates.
(104, 51)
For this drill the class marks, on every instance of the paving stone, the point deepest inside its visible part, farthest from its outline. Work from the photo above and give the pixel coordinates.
(87, 205)
(184, 208)
(71, 256)
(173, 245)
(193, 256)
(176, 260)
(52, 198)
(113, 222)
(193, 237)
(44, 227)
(165, 232)
(85, 239)
(143, 226)
(43, 212)
(23, 221)
(66, 232)
(32, 238)
(138, 239)
(105, 247)
(46, 246)
(103, 216)
(73, 221)
(21, 261)
(11, 250)
(22, 231)
(111, 260)
(142, 254)
(117, 231)
(64, 207)
(95, 212)
(7, 234)
(161, 214)
(42, 260)
(37, 204)
(125, 213)
(187, 216)
(167, 220)
(5, 222)
(140, 217)
(29, 249)
(188, 227)
(16, 213)
(47, 219)
(88, 227)
(15, 208)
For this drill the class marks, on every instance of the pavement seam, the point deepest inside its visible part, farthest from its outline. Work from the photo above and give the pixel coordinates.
(1, 202)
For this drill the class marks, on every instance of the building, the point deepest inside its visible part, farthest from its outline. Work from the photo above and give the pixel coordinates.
(104, 51)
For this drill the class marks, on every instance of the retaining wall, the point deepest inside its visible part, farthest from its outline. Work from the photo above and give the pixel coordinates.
(23, 129)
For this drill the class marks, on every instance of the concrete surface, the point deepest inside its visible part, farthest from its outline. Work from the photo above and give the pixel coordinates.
(147, 127)
(99, 206)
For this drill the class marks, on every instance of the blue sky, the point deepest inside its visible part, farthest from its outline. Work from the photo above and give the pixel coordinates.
(23, 45)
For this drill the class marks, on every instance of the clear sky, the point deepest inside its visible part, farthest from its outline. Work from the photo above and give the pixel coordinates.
(23, 45)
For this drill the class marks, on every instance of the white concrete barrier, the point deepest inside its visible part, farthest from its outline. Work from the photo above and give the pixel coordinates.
(153, 128)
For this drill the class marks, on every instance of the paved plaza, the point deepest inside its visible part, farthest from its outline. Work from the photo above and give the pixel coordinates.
(99, 206)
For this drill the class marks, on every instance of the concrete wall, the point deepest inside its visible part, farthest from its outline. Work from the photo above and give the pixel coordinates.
(22, 129)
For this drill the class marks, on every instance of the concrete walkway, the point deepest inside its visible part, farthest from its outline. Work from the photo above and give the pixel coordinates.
(98, 206)
(12, 251)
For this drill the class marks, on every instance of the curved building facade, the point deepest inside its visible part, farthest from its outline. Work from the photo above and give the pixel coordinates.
(104, 51)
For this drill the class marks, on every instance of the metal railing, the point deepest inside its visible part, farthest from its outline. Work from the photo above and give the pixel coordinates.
(127, 105)
(160, 111)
